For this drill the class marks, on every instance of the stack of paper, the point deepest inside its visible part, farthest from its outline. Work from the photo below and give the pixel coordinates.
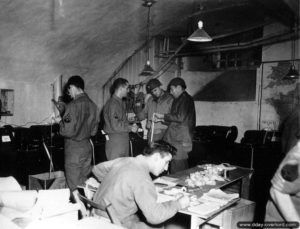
(212, 201)
(204, 209)
(218, 196)
(54, 202)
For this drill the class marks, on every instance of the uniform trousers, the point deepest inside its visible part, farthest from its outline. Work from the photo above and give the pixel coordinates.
(78, 156)
(117, 146)
(180, 160)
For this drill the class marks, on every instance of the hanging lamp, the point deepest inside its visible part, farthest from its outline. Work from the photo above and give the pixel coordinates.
(293, 73)
(200, 35)
(148, 70)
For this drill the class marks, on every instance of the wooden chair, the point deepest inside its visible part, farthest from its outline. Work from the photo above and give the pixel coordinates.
(112, 214)
(91, 205)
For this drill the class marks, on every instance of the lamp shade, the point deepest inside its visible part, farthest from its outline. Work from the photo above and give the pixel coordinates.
(292, 74)
(148, 70)
(200, 35)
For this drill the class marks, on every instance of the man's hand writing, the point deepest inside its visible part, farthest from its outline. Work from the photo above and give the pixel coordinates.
(184, 201)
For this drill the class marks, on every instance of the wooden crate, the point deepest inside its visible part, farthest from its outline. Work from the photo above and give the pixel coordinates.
(242, 211)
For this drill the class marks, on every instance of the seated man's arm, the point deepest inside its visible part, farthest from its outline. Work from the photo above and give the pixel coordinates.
(146, 199)
(286, 185)
(286, 206)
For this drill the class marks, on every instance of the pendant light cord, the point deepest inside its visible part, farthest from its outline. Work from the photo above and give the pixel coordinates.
(148, 31)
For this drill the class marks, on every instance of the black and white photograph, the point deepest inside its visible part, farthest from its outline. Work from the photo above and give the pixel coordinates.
(149, 114)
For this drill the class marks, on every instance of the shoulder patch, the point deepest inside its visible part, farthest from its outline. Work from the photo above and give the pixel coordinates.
(289, 172)
(67, 118)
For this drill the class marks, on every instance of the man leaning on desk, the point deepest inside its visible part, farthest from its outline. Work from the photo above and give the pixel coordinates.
(126, 184)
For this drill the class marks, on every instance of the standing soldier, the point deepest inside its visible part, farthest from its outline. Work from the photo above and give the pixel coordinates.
(182, 118)
(116, 123)
(79, 123)
(159, 102)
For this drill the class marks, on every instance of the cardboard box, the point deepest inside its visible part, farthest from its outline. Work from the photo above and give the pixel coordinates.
(54, 180)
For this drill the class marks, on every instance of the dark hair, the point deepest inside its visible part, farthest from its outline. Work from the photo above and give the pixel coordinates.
(161, 147)
(177, 81)
(152, 83)
(77, 81)
(118, 83)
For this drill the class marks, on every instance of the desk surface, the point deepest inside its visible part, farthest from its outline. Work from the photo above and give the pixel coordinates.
(233, 176)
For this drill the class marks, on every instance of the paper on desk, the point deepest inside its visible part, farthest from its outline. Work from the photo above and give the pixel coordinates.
(204, 209)
(7, 223)
(218, 196)
(18, 200)
(9, 184)
(51, 201)
(212, 201)
(169, 181)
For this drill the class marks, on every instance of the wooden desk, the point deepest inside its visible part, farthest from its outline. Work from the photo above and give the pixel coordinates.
(240, 176)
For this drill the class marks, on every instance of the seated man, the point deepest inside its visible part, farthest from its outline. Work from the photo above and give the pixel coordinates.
(127, 185)
(284, 204)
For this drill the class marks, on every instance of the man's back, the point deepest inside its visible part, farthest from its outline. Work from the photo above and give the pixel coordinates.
(118, 185)
(80, 120)
(127, 185)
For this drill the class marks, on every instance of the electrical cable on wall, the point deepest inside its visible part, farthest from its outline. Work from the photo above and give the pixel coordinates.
(26, 124)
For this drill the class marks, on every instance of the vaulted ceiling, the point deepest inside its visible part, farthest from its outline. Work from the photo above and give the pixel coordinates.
(93, 37)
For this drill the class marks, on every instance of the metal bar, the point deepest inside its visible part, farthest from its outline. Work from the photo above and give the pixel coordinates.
(260, 98)
(152, 128)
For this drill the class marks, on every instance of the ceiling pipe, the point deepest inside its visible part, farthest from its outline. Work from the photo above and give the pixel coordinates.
(201, 12)
(243, 30)
(244, 45)
(233, 33)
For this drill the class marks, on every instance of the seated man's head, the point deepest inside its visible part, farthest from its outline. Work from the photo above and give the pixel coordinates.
(159, 154)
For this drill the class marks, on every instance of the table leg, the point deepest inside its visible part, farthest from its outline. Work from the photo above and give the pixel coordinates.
(245, 187)
(195, 222)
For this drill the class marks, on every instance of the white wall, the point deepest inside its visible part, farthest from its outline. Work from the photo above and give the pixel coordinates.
(280, 51)
(245, 115)
(278, 96)
(32, 103)
(240, 114)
